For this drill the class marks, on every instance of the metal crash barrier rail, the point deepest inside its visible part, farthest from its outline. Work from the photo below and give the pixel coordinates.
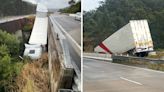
(63, 75)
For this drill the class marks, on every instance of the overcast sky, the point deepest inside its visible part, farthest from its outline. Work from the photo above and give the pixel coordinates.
(56, 4)
(90, 4)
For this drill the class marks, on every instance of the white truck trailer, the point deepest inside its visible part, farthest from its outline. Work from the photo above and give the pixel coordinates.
(38, 39)
(134, 38)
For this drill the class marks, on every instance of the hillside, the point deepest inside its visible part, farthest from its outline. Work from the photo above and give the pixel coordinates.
(113, 14)
(72, 9)
(15, 7)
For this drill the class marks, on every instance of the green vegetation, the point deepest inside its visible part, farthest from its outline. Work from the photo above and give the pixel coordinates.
(29, 23)
(27, 29)
(15, 7)
(159, 55)
(113, 14)
(21, 75)
(72, 9)
(10, 65)
(10, 41)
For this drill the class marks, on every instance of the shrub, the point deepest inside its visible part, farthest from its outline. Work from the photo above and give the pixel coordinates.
(10, 41)
(10, 66)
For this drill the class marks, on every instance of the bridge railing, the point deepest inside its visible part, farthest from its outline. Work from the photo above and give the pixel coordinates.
(76, 86)
(61, 69)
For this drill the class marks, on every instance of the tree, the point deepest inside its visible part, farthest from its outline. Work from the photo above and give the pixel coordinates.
(111, 15)
(72, 9)
(11, 42)
(15, 7)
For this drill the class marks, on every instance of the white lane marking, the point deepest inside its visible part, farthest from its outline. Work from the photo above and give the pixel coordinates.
(68, 34)
(131, 81)
(77, 45)
(134, 67)
(100, 58)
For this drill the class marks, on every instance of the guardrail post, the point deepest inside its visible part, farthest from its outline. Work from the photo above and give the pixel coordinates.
(67, 78)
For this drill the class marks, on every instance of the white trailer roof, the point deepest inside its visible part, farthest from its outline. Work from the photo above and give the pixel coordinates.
(39, 32)
(41, 8)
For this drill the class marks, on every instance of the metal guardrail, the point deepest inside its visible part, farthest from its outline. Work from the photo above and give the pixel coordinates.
(77, 75)
(69, 75)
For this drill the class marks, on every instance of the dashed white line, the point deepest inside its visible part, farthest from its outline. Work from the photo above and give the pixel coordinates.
(131, 81)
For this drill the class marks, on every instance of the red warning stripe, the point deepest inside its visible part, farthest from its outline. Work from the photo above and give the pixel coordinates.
(105, 48)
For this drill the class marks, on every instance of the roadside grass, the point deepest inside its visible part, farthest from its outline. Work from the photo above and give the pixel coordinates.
(33, 77)
(131, 62)
(156, 66)
(158, 56)
(29, 87)
(145, 64)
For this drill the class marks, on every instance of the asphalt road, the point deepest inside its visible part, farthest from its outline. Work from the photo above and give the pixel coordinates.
(73, 28)
(101, 76)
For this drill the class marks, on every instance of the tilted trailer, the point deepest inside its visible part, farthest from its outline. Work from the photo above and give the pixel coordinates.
(133, 38)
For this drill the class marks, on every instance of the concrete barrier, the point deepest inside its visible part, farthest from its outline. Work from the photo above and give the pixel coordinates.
(76, 86)
(97, 55)
(121, 58)
(142, 59)
(60, 66)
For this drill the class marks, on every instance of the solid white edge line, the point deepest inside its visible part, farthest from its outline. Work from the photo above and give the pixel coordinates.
(146, 69)
(130, 81)
(82, 48)
(68, 35)
(150, 70)
(100, 58)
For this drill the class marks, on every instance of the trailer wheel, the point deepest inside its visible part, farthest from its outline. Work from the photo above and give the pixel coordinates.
(142, 54)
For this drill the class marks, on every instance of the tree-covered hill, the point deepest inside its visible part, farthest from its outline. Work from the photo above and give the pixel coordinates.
(15, 7)
(72, 9)
(113, 14)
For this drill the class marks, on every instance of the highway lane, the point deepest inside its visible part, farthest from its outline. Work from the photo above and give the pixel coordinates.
(72, 28)
(101, 76)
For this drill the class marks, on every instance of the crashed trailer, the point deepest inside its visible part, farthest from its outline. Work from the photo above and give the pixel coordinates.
(38, 39)
(133, 38)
